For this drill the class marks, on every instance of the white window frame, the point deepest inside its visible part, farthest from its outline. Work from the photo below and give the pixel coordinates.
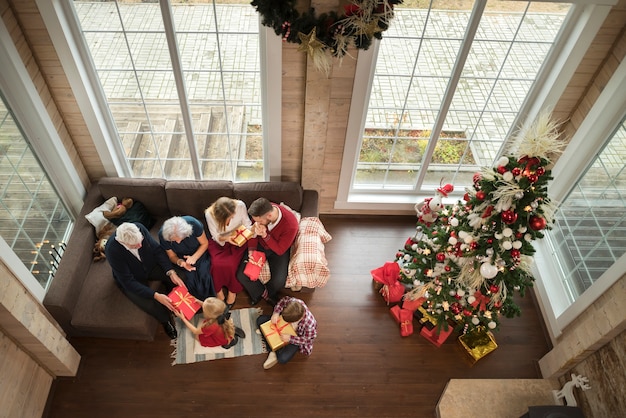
(63, 25)
(601, 121)
(577, 33)
(31, 114)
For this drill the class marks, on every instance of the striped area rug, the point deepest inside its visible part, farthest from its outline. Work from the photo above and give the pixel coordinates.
(188, 349)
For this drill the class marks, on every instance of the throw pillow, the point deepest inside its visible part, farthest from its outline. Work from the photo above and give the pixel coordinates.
(295, 212)
(96, 218)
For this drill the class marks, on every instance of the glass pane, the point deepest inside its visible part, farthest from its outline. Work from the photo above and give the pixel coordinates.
(220, 72)
(33, 221)
(590, 230)
(413, 71)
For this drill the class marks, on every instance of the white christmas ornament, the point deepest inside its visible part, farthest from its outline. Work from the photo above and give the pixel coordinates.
(488, 271)
(491, 325)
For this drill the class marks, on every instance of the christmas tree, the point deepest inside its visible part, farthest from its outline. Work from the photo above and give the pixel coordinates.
(467, 260)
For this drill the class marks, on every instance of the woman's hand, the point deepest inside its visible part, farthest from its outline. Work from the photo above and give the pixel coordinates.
(275, 318)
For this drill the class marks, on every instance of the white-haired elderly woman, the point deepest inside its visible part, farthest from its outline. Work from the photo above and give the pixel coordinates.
(185, 242)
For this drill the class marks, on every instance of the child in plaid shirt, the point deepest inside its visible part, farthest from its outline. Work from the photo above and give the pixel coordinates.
(295, 312)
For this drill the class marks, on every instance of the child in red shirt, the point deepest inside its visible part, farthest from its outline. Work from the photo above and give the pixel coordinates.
(217, 329)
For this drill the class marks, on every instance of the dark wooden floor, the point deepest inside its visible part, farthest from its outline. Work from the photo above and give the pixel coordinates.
(360, 366)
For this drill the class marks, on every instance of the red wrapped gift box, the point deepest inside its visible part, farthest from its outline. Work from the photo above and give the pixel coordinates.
(432, 336)
(256, 260)
(404, 317)
(184, 301)
(241, 235)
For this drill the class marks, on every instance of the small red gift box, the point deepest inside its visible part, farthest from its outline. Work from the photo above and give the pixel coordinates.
(272, 333)
(436, 338)
(184, 301)
(241, 235)
(256, 259)
(404, 317)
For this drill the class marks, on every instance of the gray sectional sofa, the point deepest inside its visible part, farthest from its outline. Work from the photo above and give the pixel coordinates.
(83, 296)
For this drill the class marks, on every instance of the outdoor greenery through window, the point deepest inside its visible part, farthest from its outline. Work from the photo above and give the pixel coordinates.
(589, 234)
(201, 122)
(445, 98)
(33, 221)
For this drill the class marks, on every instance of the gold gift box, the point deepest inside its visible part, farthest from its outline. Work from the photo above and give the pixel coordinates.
(241, 235)
(272, 333)
(478, 343)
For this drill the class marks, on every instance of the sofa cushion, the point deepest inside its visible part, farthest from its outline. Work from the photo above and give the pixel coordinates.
(187, 197)
(150, 192)
(276, 191)
(97, 219)
(103, 310)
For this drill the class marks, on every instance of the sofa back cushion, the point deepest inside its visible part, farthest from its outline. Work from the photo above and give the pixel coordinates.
(286, 192)
(192, 197)
(150, 192)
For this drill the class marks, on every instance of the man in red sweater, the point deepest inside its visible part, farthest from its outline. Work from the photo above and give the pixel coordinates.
(275, 228)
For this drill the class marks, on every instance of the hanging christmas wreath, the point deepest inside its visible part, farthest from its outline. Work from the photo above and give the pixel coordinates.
(356, 25)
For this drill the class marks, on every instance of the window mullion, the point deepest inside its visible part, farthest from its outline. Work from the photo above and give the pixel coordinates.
(172, 44)
(468, 39)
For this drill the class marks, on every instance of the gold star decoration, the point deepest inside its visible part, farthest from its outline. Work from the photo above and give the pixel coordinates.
(309, 43)
(369, 28)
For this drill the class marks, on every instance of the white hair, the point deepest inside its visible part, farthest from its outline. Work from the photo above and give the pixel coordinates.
(128, 234)
(176, 227)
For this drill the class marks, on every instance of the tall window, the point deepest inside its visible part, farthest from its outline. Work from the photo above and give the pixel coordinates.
(183, 83)
(449, 81)
(590, 230)
(33, 221)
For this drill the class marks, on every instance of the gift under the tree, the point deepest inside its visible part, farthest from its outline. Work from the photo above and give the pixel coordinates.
(437, 335)
(184, 301)
(426, 319)
(241, 235)
(272, 332)
(256, 260)
(412, 304)
(478, 343)
(404, 317)
(389, 275)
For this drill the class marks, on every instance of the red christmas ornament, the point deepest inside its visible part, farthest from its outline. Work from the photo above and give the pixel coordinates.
(474, 245)
(540, 171)
(467, 312)
(477, 177)
(441, 257)
(480, 195)
(515, 253)
(508, 216)
(487, 212)
(516, 171)
(533, 178)
(494, 288)
(537, 223)
(519, 235)
(466, 197)
(501, 169)
(489, 240)
(447, 268)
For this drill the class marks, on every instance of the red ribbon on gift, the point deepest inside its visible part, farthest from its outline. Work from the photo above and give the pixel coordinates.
(243, 232)
(481, 300)
(276, 329)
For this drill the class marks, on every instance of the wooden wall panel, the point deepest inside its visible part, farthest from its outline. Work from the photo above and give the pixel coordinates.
(25, 385)
(32, 37)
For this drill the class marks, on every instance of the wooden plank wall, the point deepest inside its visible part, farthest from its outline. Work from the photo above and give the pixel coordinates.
(40, 58)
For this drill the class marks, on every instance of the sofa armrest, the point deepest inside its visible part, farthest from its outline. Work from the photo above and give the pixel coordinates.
(62, 294)
(310, 203)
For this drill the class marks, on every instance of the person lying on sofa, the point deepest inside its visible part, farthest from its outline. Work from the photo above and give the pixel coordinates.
(136, 258)
(275, 228)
